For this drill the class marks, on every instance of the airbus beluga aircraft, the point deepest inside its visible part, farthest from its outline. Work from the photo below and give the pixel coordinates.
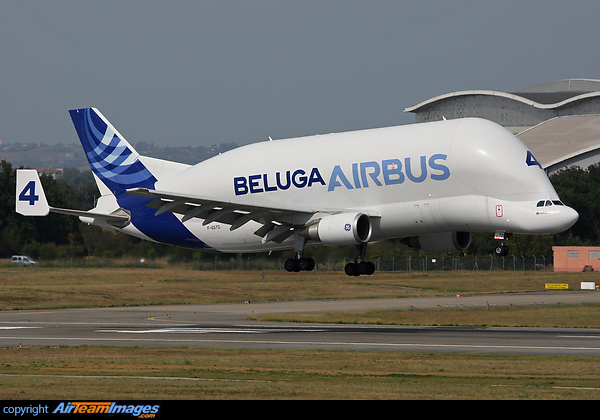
(431, 184)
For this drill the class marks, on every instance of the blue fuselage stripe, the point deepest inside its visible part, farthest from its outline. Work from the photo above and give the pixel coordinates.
(165, 228)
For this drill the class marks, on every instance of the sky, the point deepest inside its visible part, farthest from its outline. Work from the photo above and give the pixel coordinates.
(197, 73)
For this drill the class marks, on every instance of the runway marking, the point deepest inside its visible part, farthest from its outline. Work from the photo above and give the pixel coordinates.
(164, 378)
(177, 378)
(579, 336)
(56, 323)
(574, 388)
(178, 330)
(313, 343)
(16, 328)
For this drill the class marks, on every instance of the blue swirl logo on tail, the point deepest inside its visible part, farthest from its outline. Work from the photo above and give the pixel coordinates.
(117, 165)
(111, 157)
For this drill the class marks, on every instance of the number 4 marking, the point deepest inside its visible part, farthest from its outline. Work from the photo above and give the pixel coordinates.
(28, 194)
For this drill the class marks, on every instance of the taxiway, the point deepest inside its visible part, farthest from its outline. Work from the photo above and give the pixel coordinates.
(226, 325)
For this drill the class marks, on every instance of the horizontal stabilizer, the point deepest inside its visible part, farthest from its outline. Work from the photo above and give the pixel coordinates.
(31, 201)
(117, 219)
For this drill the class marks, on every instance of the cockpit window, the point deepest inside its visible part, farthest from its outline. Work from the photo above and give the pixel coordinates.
(548, 203)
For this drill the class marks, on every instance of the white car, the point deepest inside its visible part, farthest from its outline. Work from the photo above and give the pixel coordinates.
(22, 259)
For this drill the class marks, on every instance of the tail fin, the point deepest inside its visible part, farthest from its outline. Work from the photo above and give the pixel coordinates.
(31, 199)
(112, 159)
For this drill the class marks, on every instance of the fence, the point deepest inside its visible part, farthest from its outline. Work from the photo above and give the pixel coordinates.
(265, 262)
(473, 263)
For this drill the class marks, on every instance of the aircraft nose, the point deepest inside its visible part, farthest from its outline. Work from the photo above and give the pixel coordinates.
(568, 216)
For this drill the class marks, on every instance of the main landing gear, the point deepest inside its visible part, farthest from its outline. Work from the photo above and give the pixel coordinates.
(359, 266)
(356, 269)
(300, 263)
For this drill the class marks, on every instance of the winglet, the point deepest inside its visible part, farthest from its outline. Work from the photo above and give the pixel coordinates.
(31, 199)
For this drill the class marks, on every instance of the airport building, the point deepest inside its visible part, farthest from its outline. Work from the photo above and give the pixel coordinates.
(559, 121)
(576, 258)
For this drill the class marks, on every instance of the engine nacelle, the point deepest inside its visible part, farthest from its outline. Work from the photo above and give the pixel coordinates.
(341, 229)
(440, 242)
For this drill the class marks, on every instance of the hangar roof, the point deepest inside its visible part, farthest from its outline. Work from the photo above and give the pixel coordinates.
(556, 142)
(537, 100)
(562, 138)
(551, 95)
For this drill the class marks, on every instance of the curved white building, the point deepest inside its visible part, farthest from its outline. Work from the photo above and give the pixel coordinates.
(559, 121)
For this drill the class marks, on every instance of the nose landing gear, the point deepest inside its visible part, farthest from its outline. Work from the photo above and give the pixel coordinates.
(501, 250)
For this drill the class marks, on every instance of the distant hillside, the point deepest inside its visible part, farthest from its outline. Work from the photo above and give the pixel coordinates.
(35, 155)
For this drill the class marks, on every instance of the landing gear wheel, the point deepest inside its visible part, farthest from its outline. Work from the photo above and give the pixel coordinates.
(351, 269)
(306, 264)
(362, 268)
(301, 264)
(501, 250)
(290, 265)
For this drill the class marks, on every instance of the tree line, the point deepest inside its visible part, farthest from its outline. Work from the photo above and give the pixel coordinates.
(60, 236)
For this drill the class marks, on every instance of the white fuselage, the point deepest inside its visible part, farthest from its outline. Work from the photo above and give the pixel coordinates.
(460, 175)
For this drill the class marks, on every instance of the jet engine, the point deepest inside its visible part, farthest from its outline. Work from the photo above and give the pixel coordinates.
(440, 242)
(340, 229)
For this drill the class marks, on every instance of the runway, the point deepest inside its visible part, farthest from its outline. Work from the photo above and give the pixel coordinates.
(226, 326)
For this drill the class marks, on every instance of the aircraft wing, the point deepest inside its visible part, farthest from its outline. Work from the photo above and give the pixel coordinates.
(277, 223)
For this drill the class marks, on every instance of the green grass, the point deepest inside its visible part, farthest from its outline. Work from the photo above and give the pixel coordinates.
(51, 288)
(100, 373)
(563, 316)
